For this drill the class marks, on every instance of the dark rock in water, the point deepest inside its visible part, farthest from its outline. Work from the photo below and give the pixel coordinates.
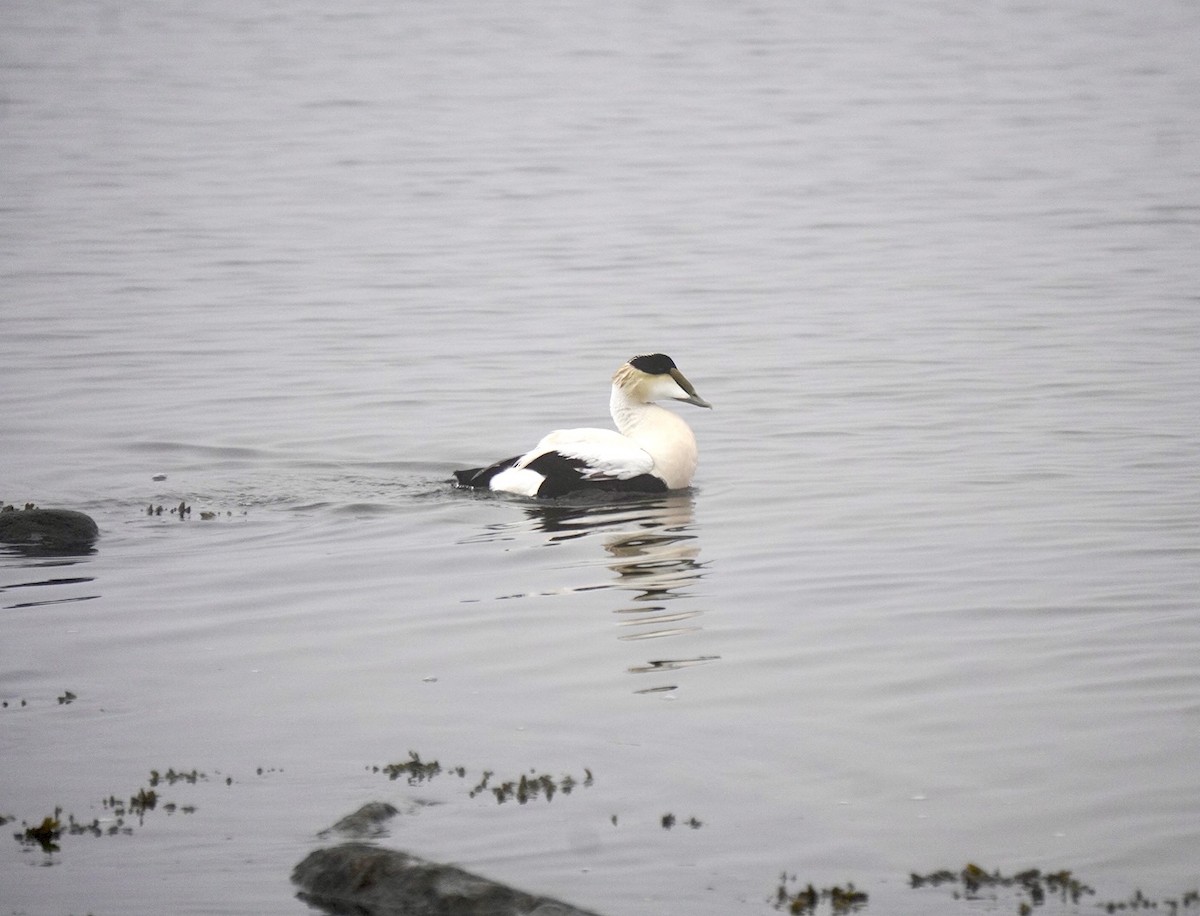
(47, 530)
(369, 881)
(365, 823)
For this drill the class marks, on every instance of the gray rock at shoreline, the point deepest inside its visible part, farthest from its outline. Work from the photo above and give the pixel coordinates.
(369, 881)
(47, 530)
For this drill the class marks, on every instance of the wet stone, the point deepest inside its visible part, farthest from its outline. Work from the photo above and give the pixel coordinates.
(370, 881)
(47, 530)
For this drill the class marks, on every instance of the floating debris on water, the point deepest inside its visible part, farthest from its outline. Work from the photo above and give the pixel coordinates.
(977, 883)
(668, 821)
(139, 804)
(807, 899)
(1034, 887)
(66, 698)
(523, 788)
(529, 786)
(145, 800)
(45, 834)
(1139, 901)
(183, 511)
(414, 769)
(172, 776)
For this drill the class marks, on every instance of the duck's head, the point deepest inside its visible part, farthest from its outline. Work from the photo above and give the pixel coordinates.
(654, 376)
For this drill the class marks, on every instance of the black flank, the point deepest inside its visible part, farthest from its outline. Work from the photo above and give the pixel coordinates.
(565, 475)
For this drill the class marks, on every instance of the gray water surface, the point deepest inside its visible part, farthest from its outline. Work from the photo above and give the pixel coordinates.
(933, 599)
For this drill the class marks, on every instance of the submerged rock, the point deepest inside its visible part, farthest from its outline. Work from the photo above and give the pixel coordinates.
(369, 881)
(47, 530)
(368, 822)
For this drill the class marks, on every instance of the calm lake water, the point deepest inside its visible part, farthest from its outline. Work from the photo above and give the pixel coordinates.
(933, 600)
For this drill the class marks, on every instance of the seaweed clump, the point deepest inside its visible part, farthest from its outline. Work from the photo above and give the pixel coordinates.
(45, 834)
(977, 882)
(171, 777)
(1139, 901)
(669, 821)
(807, 899)
(523, 788)
(414, 769)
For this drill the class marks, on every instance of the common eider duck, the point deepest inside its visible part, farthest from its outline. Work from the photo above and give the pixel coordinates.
(654, 450)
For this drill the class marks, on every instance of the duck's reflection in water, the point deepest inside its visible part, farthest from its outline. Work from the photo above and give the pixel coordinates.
(654, 550)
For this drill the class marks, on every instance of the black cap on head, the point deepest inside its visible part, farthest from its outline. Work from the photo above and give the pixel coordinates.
(653, 363)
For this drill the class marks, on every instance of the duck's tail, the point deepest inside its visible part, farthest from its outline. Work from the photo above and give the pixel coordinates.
(481, 478)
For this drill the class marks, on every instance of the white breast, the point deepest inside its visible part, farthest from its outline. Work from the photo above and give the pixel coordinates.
(667, 439)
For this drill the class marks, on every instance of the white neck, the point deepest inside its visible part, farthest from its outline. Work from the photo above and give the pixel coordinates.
(663, 434)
